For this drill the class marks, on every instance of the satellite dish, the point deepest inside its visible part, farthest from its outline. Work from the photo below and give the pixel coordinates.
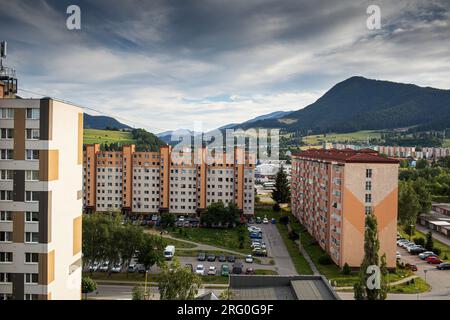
(3, 49)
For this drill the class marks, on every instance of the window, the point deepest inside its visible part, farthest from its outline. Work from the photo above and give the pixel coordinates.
(31, 216)
(368, 198)
(5, 195)
(5, 216)
(33, 134)
(5, 236)
(368, 185)
(31, 278)
(31, 196)
(30, 296)
(6, 174)
(7, 133)
(7, 113)
(368, 173)
(368, 210)
(31, 257)
(6, 296)
(6, 154)
(6, 257)
(31, 237)
(33, 113)
(32, 175)
(5, 277)
(32, 154)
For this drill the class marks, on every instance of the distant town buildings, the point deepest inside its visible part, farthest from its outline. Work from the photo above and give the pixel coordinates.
(333, 190)
(156, 182)
(428, 153)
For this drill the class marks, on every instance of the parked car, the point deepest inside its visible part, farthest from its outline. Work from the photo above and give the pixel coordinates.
(274, 221)
(249, 258)
(265, 220)
(200, 270)
(140, 268)
(258, 220)
(416, 250)
(254, 235)
(181, 219)
(433, 260)
(169, 252)
(426, 254)
(237, 268)
(211, 257)
(225, 270)
(132, 268)
(104, 267)
(411, 266)
(116, 268)
(253, 229)
(259, 252)
(249, 271)
(212, 271)
(94, 267)
(443, 266)
(222, 258)
(201, 256)
(251, 221)
(231, 258)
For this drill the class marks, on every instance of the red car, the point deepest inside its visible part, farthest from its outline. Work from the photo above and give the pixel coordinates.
(433, 260)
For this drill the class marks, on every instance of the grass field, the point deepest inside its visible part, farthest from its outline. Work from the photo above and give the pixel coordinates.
(359, 136)
(418, 285)
(107, 136)
(446, 143)
(222, 238)
(179, 244)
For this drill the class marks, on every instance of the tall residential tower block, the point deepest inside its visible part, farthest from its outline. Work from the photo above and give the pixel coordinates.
(156, 182)
(333, 190)
(40, 199)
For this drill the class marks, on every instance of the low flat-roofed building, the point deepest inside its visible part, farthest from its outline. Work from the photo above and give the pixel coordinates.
(244, 287)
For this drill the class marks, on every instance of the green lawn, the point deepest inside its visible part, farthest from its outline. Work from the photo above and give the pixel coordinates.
(107, 136)
(446, 143)
(194, 253)
(445, 249)
(358, 136)
(418, 285)
(179, 244)
(222, 238)
(265, 272)
(300, 263)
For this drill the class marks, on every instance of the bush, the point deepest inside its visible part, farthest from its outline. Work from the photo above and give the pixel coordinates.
(276, 207)
(408, 230)
(325, 260)
(346, 269)
(419, 241)
(293, 235)
(284, 220)
(437, 251)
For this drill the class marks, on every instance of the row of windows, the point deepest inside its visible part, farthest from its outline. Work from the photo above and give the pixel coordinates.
(30, 237)
(30, 216)
(30, 196)
(8, 154)
(30, 134)
(31, 113)
(30, 257)
(30, 175)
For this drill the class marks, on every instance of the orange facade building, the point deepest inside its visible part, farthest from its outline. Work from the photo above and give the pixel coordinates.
(155, 182)
(333, 190)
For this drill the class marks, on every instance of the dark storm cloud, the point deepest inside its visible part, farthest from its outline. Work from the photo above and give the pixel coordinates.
(219, 61)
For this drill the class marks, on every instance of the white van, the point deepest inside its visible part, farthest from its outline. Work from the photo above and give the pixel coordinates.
(169, 252)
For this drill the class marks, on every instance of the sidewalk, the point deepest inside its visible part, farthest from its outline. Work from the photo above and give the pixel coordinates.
(389, 284)
(307, 258)
(436, 235)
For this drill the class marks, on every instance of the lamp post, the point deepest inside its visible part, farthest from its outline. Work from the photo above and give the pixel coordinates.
(410, 231)
(145, 285)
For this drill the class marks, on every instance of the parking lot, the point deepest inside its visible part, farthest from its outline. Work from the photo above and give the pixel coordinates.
(438, 279)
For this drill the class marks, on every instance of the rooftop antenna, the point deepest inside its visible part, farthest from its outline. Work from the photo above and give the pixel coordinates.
(7, 75)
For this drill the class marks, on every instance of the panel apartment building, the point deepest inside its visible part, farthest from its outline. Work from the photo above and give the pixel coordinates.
(155, 182)
(40, 198)
(333, 190)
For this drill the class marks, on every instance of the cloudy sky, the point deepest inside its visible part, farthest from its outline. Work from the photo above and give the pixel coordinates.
(164, 64)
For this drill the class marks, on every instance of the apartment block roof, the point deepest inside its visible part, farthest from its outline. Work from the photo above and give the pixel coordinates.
(345, 155)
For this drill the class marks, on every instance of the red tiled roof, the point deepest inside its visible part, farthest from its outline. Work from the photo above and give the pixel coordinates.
(346, 155)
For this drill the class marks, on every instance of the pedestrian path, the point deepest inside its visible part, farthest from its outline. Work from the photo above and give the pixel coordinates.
(308, 259)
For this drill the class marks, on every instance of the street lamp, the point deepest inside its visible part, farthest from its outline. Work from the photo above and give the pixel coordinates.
(410, 231)
(145, 285)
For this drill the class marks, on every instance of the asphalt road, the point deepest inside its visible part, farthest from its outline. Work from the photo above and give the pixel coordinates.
(277, 250)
